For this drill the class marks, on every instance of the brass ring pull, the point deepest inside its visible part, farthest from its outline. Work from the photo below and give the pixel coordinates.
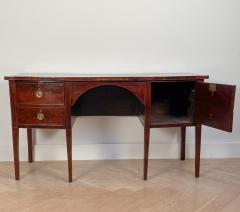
(39, 93)
(40, 116)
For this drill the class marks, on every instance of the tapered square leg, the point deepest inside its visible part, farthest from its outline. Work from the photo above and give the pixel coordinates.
(146, 152)
(30, 145)
(183, 142)
(15, 137)
(198, 130)
(69, 153)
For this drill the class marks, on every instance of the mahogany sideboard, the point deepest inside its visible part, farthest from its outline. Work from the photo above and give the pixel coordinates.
(159, 100)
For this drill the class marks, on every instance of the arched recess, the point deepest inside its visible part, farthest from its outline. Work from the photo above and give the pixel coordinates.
(137, 88)
(115, 98)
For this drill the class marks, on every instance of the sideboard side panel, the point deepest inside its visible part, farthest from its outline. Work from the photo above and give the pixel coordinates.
(12, 91)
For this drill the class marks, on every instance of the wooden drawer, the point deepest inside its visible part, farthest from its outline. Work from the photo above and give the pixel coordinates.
(38, 116)
(40, 93)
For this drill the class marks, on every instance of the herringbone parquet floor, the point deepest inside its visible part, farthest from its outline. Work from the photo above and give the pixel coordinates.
(112, 186)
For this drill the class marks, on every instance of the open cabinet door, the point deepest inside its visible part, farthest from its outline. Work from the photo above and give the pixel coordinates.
(214, 105)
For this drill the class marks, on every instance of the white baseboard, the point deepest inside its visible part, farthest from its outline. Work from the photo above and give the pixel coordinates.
(122, 151)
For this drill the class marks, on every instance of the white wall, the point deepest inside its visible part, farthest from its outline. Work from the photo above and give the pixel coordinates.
(117, 36)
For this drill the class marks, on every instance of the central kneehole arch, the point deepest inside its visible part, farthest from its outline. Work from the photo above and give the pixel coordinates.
(107, 100)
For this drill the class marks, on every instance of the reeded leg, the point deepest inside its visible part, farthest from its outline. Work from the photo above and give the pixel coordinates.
(183, 142)
(146, 151)
(15, 137)
(198, 130)
(30, 145)
(69, 153)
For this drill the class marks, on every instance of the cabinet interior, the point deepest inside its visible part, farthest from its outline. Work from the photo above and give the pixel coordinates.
(107, 100)
(172, 102)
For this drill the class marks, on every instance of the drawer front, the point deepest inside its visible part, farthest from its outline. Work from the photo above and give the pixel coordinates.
(41, 116)
(40, 93)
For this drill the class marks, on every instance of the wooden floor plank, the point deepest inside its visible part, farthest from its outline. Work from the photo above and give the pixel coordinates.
(118, 186)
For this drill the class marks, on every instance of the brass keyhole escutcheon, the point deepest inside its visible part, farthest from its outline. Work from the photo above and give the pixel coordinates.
(40, 116)
(39, 93)
(212, 88)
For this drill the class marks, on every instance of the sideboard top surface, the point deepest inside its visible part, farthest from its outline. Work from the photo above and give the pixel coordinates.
(106, 77)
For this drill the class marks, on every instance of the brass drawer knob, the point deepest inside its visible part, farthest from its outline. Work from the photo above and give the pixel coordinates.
(40, 116)
(39, 93)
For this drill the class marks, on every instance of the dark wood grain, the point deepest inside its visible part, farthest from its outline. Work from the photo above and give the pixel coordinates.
(15, 129)
(69, 153)
(12, 92)
(30, 145)
(161, 121)
(146, 152)
(15, 135)
(78, 88)
(68, 125)
(215, 109)
(183, 142)
(27, 116)
(160, 100)
(52, 93)
(68, 96)
(147, 121)
(198, 131)
(107, 77)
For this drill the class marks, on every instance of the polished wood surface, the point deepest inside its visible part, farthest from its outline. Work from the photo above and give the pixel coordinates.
(15, 137)
(69, 153)
(159, 100)
(52, 117)
(30, 145)
(117, 186)
(183, 142)
(147, 123)
(137, 88)
(215, 109)
(40, 93)
(198, 131)
(106, 77)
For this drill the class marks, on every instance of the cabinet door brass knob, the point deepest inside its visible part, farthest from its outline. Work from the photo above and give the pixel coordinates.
(39, 93)
(40, 116)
